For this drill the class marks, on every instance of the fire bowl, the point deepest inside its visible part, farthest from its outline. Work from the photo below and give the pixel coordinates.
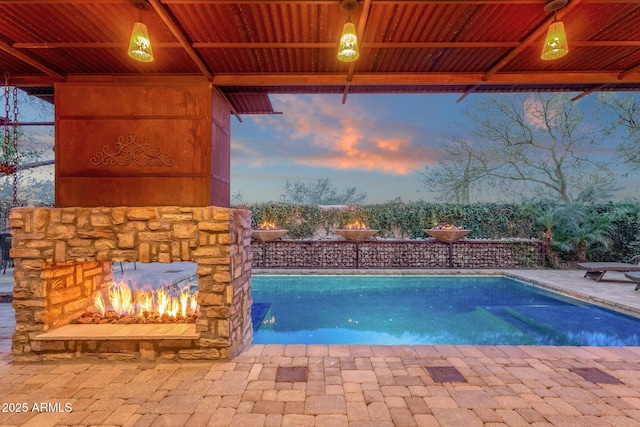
(268, 235)
(447, 236)
(355, 235)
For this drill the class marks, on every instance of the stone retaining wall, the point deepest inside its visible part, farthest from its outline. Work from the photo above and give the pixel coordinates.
(63, 255)
(428, 253)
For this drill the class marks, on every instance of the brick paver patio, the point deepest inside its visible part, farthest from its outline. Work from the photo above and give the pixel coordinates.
(345, 386)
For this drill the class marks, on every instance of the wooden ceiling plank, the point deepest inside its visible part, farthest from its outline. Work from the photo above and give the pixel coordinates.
(289, 77)
(332, 2)
(41, 2)
(308, 2)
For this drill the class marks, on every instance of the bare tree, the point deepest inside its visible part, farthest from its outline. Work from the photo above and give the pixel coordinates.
(625, 125)
(533, 144)
(322, 192)
(457, 173)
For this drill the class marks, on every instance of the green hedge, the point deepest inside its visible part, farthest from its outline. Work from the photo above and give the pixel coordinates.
(399, 219)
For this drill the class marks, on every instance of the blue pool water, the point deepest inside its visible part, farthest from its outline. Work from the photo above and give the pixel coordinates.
(390, 310)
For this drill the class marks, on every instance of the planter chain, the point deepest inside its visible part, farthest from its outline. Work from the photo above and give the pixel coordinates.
(10, 166)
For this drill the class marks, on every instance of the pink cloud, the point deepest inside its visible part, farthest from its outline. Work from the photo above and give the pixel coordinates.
(321, 132)
(391, 144)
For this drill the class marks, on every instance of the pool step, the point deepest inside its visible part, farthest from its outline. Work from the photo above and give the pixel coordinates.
(551, 335)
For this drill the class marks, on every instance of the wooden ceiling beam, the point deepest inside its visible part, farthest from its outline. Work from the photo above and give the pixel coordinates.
(282, 45)
(466, 93)
(463, 79)
(182, 38)
(186, 45)
(473, 80)
(362, 25)
(626, 73)
(89, 45)
(30, 61)
(590, 91)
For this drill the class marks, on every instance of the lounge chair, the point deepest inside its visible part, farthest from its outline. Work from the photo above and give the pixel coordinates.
(595, 270)
(634, 277)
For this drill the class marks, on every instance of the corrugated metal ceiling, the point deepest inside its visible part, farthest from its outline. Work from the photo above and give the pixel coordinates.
(251, 48)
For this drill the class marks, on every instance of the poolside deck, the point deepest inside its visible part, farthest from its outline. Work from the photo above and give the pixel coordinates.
(347, 385)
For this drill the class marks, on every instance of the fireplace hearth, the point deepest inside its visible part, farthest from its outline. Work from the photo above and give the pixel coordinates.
(64, 256)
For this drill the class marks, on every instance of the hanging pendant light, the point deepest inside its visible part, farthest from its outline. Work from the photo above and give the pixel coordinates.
(140, 43)
(555, 44)
(348, 49)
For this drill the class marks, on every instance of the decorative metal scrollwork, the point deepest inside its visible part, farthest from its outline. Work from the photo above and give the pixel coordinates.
(131, 150)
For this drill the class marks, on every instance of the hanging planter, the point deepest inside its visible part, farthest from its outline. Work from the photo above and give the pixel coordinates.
(7, 168)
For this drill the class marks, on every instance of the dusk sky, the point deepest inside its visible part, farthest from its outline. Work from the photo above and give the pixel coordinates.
(377, 143)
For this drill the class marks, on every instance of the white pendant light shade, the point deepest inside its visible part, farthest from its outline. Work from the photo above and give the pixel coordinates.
(555, 45)
(140, 44)
(348, 49)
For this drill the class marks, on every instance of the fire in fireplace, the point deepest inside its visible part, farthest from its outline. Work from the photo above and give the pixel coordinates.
(128, 306)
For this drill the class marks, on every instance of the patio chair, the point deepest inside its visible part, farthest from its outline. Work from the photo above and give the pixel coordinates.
(5, 246)
(596, 270)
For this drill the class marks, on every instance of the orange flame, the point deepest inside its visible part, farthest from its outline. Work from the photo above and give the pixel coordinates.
(162, 301)
(121, 298)
(98, 302)
(447, 227)
(125, 301)
(267, 225)
(184, 301)
(144, 301)
(356, 225)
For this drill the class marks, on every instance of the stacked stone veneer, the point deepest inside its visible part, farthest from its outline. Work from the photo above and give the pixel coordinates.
(63, 255)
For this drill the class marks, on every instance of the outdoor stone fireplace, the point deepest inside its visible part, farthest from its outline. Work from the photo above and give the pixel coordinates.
(63, 256)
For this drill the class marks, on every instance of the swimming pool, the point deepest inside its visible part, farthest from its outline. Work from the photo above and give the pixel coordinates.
(392, 310)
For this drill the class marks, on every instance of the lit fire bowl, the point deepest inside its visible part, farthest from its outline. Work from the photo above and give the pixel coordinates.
(268, 235)
(356, 235)
(447, 236)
